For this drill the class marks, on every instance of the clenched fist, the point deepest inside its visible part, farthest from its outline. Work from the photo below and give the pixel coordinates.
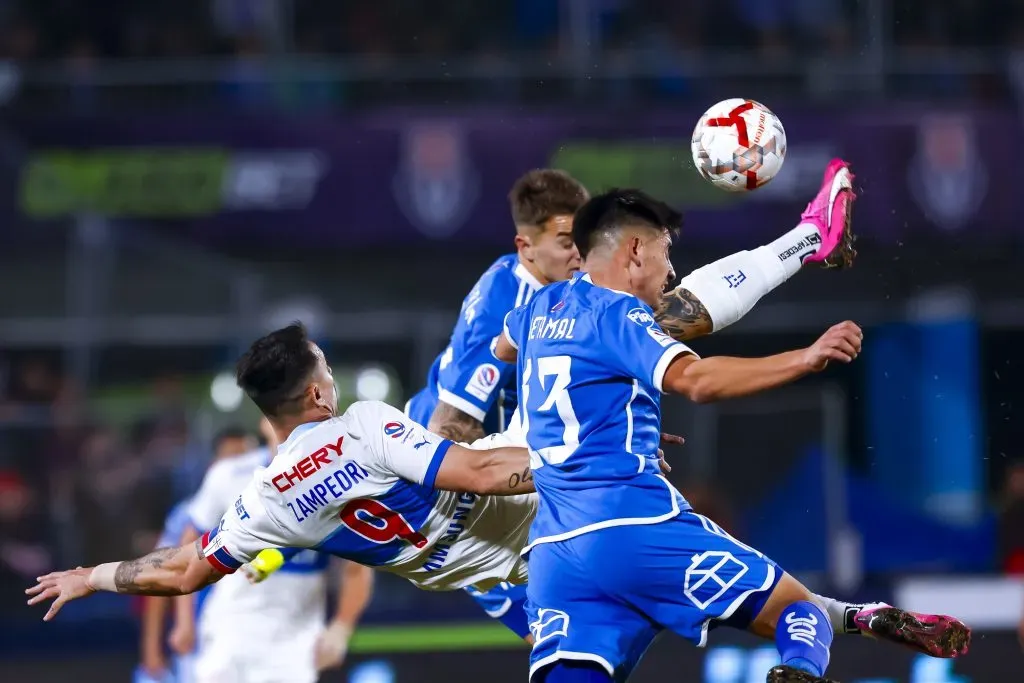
(840, 342)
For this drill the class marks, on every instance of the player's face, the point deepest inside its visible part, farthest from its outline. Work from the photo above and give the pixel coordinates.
(552, 251)
(651, 271)
(325, 394)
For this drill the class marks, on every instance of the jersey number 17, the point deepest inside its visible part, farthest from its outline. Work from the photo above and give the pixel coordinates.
(554, 373)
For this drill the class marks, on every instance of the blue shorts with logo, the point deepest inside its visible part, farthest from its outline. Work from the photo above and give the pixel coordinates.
(604, 595)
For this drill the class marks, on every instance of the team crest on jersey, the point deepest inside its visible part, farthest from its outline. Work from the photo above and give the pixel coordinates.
(436, 185)
(483, 381)
(394, 429)
(946, 176)
(640, 316)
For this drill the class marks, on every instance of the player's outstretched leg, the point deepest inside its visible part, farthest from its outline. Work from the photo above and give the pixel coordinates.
(802, 632)
(831, 211)
(936, 635)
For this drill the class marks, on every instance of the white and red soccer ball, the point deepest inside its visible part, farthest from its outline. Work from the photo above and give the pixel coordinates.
(738, 145)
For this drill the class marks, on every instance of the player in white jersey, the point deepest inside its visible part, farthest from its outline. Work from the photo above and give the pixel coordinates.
(368, 485)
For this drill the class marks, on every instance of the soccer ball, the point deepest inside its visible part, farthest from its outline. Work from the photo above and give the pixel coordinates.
(738, 145)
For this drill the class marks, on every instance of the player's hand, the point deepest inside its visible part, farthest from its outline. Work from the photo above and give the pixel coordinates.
(840, 343)
(668, 440)
(332, 646)
(61, 587)
(182, 638)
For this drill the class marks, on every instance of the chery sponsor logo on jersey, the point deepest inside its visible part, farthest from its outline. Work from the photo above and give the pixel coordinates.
(483, 381)
(308, 466)
(394, 429)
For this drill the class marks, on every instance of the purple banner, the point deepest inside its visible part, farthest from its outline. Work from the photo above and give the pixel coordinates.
(414, 177)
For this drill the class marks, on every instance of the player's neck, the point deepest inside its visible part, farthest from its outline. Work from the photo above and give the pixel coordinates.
(283, 427)
(607, 275)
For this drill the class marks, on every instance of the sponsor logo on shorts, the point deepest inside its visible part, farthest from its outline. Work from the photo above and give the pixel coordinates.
(394, 429)
(550, 623)
(710, 576)
(483, 381)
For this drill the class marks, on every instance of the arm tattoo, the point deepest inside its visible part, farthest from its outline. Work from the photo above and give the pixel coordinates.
(452, 423)
(516, 479)
(683, 316)
(126, 577)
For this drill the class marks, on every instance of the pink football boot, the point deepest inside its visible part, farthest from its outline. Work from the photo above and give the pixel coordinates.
(831, 211)
(932, 634)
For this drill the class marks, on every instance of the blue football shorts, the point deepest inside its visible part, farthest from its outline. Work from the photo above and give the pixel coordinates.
(604, 595)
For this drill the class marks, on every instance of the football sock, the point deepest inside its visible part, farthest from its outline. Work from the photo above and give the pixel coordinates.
(803, 636)
(729, 287)
(841, 614)
(570, 671)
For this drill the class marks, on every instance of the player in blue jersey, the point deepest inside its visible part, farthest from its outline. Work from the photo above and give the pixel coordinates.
(615, 553)
(153, 667)
(469, 393)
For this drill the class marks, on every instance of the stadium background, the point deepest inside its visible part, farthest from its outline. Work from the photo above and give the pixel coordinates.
(178, 177)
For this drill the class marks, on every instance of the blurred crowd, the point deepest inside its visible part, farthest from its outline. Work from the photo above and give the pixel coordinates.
(79, 489)
(82, 32)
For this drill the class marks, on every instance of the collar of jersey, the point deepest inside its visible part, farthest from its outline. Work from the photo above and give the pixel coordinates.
(296, 433)
(585, 277)
(526, 276)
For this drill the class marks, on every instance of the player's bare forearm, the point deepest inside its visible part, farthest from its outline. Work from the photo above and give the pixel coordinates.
(354, 593)
(451, 423)
(154, 615)
(167, 571)
(723, 377)
(184, 605)
(683, 316)
(501, 471)
(163, 572)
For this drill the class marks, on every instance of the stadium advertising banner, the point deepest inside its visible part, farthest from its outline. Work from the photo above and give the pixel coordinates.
(414, 177)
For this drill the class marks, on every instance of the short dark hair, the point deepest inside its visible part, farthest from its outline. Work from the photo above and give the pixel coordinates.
(229, 433)
(616, 209)
(543, 193)
(276, 367)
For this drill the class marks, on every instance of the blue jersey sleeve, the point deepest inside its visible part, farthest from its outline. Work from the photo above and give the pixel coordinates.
(514, 326)
(637, 344)
(470, 377)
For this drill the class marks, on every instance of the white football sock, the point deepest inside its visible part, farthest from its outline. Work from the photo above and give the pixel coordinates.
(841, 613)
(731, 286)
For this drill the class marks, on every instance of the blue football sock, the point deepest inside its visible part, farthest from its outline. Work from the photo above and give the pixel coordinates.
(569, 671)
(803, 636)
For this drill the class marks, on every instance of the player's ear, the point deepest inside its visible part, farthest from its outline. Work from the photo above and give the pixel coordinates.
(524, 246)
(636, 246)
(319, 400)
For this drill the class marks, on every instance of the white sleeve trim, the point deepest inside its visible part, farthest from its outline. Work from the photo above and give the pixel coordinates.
(504, 331)
(461, 403)
(666, 359)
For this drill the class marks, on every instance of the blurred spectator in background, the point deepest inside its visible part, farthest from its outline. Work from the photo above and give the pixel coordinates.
(23, 544)
(1011, 521)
